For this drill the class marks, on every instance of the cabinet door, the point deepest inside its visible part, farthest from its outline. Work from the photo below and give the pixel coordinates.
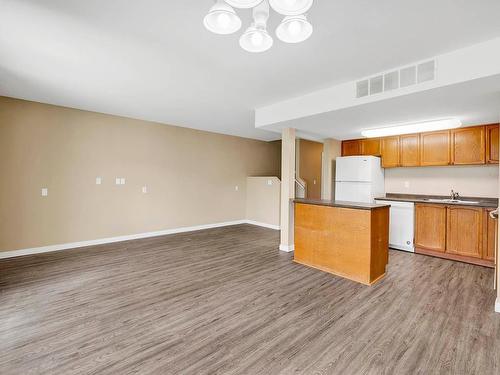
(468, 145)
(430, 226)
(350, 148)
(435, 148)
(489, 236)
(390, 152)
(370, 146)
(492, 144)
(409, 150)
(464, 234)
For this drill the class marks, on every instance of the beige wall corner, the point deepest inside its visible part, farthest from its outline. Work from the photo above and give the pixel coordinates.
(287, 188)
(192, 178)
(332, 149)
(263, 201)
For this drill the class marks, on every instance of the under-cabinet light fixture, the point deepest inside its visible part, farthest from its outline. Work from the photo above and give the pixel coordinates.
(415, 127)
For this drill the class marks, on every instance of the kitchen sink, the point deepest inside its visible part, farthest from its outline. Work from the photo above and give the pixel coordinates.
(455, 201)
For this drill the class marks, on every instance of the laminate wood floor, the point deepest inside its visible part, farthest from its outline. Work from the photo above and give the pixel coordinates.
(226, 301)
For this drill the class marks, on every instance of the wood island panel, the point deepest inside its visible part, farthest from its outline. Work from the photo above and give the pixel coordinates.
(351, 243)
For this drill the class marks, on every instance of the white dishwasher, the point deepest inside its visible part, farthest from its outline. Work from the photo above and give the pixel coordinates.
(401, 224)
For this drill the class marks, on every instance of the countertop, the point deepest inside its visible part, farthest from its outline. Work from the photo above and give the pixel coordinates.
(342, 204)
(418, 198)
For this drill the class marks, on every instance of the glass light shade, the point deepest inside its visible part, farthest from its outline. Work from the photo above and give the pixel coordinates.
(294, 29)
(291, 7)
(256, 40)
(244, 4)
(222, 19)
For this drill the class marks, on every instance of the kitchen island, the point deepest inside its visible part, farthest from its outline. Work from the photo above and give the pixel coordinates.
(347, 239)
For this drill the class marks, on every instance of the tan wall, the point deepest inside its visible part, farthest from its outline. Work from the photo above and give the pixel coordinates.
(476, 181)
(191, 175)
(310, 162)
(263, 200)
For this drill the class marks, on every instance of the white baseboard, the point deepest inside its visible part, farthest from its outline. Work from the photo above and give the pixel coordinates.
(270, 226)
(497, 305)
(287, 248)
(102, 241)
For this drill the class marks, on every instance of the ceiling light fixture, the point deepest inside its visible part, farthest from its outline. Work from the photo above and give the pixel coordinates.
(222, 19)
(244, 4)
(295, 28)
(256, 38)
(291, 7)
(415, 127)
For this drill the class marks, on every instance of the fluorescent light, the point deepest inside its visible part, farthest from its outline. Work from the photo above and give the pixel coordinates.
(415, 127)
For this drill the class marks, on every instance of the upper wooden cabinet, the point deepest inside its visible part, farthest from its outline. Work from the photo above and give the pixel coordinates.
(430, 227)
(492, 143)
(468, 146)
(390, 152)
(463, 146)
(465, 231)
(409, 150)
(370, 146)
(350, 148)
(489, 236)
(435, 148)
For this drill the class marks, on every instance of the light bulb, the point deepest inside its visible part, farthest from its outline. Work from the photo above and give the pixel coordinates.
(257, 39)
(294, 28)
(223, 20)
(290, 2)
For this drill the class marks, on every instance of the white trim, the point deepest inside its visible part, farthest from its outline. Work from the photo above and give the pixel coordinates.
(260, 224)
(287, 248)
(497, 305)
(76, 245)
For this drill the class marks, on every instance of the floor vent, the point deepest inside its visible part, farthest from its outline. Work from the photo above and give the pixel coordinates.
(403, 77)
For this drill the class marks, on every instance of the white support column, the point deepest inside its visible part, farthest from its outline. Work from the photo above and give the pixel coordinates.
(497, 265)
(287, 188)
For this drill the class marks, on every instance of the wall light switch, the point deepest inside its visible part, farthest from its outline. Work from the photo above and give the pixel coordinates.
(144, 190)
(45, 192)
(118, 181)
(122, 181)
(269, 182)
(236, 188)
(98, 180)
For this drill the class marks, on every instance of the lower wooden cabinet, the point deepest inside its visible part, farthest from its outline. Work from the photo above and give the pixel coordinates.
(455, 232)
(489, 235)
(464, 231)
(430, 227)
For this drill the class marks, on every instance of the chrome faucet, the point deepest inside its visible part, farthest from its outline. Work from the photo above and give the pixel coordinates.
(454, 195)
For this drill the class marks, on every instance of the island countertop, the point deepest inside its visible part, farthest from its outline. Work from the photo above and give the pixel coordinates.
(342, 204)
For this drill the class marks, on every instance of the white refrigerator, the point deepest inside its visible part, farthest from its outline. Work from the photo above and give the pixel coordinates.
(359, 179)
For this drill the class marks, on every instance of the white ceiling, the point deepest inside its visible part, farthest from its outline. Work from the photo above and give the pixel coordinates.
(153, 59)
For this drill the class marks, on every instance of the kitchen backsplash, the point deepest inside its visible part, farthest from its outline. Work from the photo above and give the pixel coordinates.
(474, 181)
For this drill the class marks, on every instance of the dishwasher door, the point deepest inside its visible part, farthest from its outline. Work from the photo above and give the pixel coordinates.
(401, 225)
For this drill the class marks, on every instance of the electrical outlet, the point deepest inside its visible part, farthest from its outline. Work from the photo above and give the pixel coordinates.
(45, 192)
(144, 190)
(269, 182)
(314, 182)
(98, 180)
(236, 188)
(117, 181)
(122, 181)
(407, 184)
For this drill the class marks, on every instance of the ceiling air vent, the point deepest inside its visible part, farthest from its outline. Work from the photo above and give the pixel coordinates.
(403, 77)
(362, 88)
